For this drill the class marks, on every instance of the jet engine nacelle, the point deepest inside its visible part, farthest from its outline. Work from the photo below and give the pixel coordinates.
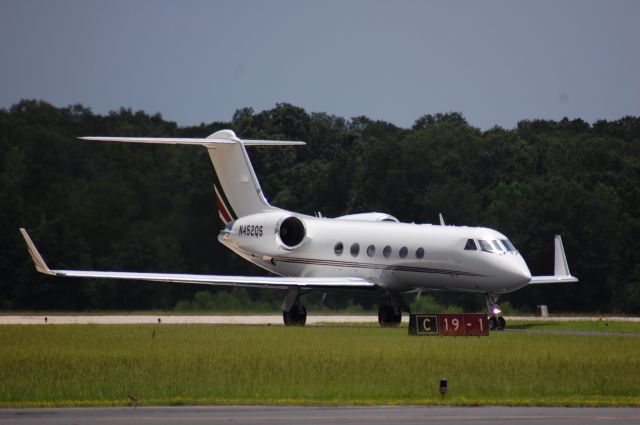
(268, 232)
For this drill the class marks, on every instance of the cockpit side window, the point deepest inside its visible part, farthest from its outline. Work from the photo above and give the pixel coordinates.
(497, 245)
(484, 245)
(508, 245)
(471, 245)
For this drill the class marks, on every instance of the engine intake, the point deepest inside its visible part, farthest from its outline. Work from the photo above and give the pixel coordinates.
(291, 232)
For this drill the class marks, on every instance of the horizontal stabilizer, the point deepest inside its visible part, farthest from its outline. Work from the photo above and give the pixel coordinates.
(224, 137)
(160, 140)
(561, 273)
(248, 142)
(277, 282)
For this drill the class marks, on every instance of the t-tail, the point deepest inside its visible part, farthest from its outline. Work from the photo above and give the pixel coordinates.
(237, 190)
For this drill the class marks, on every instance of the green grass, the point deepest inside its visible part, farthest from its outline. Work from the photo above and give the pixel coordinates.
(594, 326)
(81, 365)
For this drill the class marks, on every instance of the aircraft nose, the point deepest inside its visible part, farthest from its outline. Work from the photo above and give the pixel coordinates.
(518, 271)
(524, 275)
(521, 272)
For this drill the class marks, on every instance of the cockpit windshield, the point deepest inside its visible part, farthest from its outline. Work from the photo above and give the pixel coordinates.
(499, 246)
(484, 245)
(508, 245)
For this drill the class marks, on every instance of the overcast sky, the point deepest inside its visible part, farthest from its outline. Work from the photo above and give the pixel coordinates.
(497, 62)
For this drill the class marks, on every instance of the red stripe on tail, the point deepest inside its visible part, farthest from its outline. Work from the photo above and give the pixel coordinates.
(222, 209)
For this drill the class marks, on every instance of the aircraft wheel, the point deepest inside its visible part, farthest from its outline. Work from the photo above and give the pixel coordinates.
(389, 317)
(501, 323)
(493, 323)
(297, 316)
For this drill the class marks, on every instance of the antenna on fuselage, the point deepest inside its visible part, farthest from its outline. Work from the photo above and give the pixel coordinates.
(441, 219)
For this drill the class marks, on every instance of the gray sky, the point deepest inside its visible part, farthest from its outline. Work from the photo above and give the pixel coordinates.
(497, 62)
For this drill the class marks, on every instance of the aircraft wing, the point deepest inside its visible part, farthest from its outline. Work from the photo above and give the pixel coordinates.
(561, 273)
(537, 280)
(219, 280)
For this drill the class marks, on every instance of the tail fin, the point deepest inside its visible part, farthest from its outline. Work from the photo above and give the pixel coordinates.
(238, 192)
(237, 189)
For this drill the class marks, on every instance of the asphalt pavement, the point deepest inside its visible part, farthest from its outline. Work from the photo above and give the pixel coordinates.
(267, 415)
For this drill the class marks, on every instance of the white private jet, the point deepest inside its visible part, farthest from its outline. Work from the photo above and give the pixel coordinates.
(369, 253)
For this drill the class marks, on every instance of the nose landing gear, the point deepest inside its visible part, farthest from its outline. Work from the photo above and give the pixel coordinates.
(496, 321)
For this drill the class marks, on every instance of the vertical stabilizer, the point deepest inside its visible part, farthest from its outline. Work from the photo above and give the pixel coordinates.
(237, 189)
(238, 192)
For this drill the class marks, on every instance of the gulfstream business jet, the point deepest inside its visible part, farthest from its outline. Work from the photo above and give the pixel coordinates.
(370, 253)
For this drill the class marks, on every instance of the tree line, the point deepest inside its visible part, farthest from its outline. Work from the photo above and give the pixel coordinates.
(110, 206)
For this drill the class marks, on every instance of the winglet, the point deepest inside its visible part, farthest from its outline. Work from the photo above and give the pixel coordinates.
(561, 273)
(560, 265)
(38, 261)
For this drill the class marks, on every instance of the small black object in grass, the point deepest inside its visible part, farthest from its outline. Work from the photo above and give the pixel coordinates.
(134, 400)
(444, 387)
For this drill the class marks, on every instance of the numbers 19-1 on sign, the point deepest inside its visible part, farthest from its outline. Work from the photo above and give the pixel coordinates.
(449, 324)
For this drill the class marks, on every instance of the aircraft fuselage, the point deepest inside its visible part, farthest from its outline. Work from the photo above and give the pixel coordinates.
(399, 257)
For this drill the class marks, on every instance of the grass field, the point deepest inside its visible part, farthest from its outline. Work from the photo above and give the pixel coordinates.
(81, 365)
(593, 326)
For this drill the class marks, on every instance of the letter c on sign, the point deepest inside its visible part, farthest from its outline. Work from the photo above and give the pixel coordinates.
(426, 324)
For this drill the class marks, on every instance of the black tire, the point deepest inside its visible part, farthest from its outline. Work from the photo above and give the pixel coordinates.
(389, 317)
(297, 316)
(493, 323)
(501, 323)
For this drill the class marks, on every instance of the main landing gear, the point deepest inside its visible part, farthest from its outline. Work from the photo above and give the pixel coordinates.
(293, 313)
(496, 321)
(296, 316)
(389, 316)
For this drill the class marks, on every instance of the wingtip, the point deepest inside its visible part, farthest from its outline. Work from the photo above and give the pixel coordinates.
(38, 261)
(560, 266)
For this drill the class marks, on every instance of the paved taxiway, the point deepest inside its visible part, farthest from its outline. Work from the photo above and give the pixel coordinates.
(266, 415)
(271, 319)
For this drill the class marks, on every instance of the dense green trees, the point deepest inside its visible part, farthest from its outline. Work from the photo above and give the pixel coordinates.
(130, 207)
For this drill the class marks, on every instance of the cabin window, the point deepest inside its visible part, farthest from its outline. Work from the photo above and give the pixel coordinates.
(485, 246)
(508, 245)
(403, 252)
(338, 248)
(371, 249)
(420, 253)
(497, 245)
(471, 245)
(387, 251)
(355, 249)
